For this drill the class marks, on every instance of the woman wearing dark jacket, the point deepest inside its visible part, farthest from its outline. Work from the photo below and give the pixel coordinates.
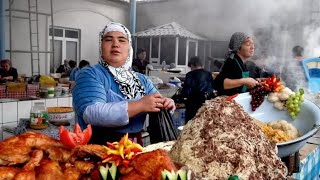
(7, 73)
(197, 87)
(234, 76)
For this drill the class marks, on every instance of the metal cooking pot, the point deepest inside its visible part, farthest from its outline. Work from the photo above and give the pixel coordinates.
(307, 122)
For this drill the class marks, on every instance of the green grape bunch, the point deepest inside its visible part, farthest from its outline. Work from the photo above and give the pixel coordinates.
(294, 102)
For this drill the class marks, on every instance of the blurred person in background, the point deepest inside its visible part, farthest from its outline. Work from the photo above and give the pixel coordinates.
(73, 65)
(63, 67)
(234, 76)
(256, 71)
(293, 73)
(197, 87)
(7, 73)
(139, 64)
(75, 71)
(110, 96)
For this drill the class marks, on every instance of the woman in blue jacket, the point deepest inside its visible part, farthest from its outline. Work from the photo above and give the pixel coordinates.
(110, 96)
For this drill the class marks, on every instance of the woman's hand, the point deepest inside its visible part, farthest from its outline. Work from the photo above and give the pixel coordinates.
(149, 103)
(250, 82)
(169, 104)
(260, 80)
(152, 103)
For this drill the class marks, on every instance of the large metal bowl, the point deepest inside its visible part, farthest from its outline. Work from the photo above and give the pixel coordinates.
(307, 122)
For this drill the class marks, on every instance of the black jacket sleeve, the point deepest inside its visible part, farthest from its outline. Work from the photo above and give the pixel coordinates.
(230, 70)
(14, 74)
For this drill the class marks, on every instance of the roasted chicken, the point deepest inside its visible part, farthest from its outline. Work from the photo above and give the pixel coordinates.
(35, 156)
(60, 154)
(84, 167)
(17, 149)
(48, 170)
(83, 150)
(148, 166)
(25, 175)
(8, 172)
(71, 173)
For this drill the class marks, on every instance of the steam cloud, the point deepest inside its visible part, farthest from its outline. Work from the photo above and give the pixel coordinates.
(277, 25)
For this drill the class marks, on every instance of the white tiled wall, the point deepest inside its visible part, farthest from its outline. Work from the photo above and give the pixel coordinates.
(1, 113)
(64, 101)
(24, 108)
(35, 101)
(11, 112)
(52, 102)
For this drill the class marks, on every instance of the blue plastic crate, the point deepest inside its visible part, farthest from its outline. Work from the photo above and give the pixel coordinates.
(310, 167)
(179, 117)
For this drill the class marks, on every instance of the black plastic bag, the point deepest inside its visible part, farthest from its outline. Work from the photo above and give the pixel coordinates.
(161, 127)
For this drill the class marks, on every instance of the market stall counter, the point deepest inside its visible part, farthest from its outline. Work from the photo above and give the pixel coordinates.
(12, 110)
(24, 126)
(165, 75)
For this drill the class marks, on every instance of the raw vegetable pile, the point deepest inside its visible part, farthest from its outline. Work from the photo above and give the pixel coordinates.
(283, 98)
(272, 84)
(288, 100)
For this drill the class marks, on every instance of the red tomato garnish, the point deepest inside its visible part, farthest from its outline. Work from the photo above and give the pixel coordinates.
(78, 137)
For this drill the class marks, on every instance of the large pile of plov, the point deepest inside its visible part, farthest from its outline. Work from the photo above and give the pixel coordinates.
(223, 140)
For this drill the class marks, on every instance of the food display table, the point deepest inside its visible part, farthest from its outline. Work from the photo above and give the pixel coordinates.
(23, 126)
(165, 76)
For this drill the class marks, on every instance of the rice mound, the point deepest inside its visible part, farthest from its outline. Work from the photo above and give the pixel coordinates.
(223, 140)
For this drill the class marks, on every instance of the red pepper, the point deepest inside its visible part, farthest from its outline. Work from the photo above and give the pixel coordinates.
(232, 97)
(118, 161)
(127, 151)
(110, 145)
(273, 84)
(135, 149)
(78, 137)
(105, 156)
(126, 162)
(110, 158)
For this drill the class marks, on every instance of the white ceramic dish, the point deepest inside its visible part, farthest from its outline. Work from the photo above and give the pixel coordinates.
(61, 118)
(307, 122)
(174, 70)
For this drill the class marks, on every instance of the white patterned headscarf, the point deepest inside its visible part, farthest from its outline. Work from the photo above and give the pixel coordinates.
(129, 84)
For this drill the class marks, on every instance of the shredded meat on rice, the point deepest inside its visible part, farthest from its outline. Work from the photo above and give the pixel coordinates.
(223, 140)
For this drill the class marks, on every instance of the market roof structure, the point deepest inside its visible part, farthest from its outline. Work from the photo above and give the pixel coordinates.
(171, 29)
